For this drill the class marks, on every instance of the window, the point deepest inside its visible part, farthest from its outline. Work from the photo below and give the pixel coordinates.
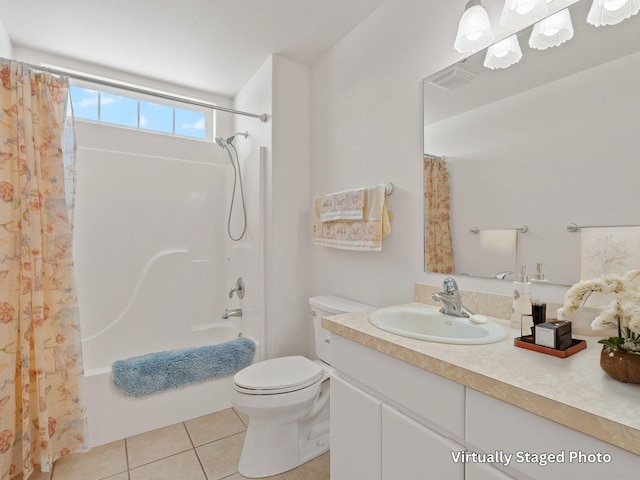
(118, 107)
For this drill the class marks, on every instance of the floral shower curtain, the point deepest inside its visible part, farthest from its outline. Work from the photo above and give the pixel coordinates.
(41, 415)
(438, 250)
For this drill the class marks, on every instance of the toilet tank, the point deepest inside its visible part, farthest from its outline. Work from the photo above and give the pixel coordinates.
(325, 306)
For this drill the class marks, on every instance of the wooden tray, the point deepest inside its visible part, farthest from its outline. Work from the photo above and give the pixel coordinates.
(576, 346)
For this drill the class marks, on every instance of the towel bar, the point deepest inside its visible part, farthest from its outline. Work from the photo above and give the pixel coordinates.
(572, 227)
(521, 229)
(388, 188)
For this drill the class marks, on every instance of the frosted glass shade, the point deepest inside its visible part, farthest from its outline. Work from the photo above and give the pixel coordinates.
(552, 31)
(522, 13)
(611, 12)
(503, 54)
(474, 30)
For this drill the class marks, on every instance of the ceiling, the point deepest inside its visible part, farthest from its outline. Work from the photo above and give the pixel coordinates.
(209, 45)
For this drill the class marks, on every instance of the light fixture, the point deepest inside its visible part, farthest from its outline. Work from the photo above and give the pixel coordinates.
(474, 30)
(503, 54)
(552, 31)
(611, 12)
(522, 13)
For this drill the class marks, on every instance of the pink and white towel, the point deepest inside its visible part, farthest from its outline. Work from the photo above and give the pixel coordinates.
(347, 205)
(364, 233)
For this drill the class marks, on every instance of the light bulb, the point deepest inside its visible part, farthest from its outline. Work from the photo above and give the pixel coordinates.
(474, 30)
(611, 12)
(552, 31)
(503, 54)
(522, 13)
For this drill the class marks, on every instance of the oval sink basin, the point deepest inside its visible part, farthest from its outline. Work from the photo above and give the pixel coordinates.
(426, 323)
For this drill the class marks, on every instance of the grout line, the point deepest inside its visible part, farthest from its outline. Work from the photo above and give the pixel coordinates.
(158, 459)
(126, 457)
(195, 451)
(184, 424)
(239, 418)
(222, 438)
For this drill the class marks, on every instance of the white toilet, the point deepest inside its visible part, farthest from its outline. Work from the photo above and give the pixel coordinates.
(287, 401)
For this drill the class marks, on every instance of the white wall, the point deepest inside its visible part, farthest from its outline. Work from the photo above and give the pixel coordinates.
(6, 48)
(281, 89)
(366, 127)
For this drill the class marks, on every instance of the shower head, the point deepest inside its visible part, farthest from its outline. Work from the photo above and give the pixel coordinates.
(220, 141)
(223, 143)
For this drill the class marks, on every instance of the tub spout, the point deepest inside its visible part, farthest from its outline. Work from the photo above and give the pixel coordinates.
(234, 312)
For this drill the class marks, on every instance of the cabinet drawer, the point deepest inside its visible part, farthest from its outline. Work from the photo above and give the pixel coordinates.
(430, 398)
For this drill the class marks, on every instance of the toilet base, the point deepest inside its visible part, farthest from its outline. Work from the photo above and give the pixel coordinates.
(272, 449)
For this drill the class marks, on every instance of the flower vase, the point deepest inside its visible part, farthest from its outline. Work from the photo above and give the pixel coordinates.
(621, 365)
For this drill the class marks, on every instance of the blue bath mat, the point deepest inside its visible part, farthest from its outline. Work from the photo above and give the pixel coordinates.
(140, 376)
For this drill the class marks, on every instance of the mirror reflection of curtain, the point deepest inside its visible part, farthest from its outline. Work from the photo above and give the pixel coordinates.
(41, 414)
(438, 249)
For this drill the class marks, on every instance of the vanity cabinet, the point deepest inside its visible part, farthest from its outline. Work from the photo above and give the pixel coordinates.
(391, 420)
(374, 433)
(373, 440)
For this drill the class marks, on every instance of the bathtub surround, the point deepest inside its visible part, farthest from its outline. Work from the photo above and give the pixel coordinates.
(155, 372)
(42, 415)
(162, 280)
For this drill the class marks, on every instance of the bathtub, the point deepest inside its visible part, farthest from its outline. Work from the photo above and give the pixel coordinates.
(154, 268)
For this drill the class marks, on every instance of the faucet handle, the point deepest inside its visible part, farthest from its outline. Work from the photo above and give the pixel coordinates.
(449, 285)
(237, 288)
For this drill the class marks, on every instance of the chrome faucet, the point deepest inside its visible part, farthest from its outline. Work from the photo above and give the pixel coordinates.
(234, 312)
(502, 275)
(237, 288)
(452, 299)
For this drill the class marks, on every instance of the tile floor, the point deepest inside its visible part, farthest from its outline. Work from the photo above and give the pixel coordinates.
(205, 448)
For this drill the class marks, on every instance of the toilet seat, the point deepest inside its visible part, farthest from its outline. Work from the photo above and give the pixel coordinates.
(278, 375)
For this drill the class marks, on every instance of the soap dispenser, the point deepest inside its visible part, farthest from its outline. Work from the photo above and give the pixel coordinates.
(521, 298)
(538, 277)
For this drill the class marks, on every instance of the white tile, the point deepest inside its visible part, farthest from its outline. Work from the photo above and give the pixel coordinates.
(214, 426)
(220, 458)
(151, 446)
(96, 464)
(183, 466)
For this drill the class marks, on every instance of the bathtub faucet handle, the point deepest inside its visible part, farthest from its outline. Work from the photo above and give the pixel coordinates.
(237, 288)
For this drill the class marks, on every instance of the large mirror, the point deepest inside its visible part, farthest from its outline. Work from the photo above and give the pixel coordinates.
(549, 143)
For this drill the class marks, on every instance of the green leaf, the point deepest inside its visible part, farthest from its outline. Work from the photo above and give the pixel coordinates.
(612, 342)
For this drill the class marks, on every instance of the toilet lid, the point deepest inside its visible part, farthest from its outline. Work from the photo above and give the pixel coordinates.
(278, 375)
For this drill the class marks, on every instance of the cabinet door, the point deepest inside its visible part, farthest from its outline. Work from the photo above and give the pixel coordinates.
(355, 433)
(493, 426)
(411, 451)
(481, 471)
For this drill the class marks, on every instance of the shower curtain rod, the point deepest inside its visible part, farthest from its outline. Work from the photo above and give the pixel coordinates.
(141, 90)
